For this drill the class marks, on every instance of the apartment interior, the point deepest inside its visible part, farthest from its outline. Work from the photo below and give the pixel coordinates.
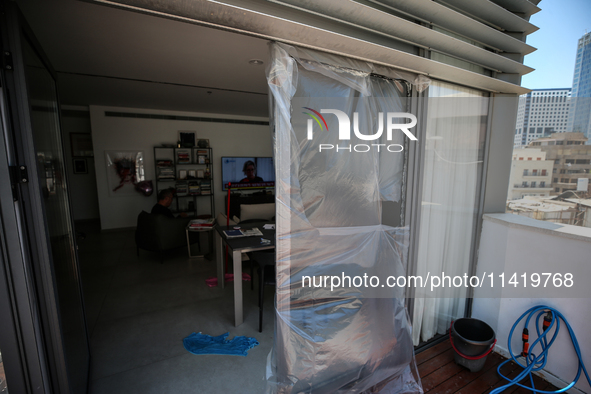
(133, 81)
(138, 310)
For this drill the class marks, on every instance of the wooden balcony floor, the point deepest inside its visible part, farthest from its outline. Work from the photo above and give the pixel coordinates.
(440, 374)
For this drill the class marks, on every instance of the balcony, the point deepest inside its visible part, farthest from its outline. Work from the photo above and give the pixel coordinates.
(516, 186)
(516, 244)
(583, 168)
(440, 374)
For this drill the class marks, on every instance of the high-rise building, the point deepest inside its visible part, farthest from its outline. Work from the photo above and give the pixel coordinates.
(580, 115)
(540, 113)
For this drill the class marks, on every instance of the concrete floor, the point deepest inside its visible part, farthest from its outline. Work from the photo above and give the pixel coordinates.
(139, 310)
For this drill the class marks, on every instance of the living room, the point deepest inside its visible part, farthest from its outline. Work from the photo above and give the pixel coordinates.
(161, 78)
(142, 98)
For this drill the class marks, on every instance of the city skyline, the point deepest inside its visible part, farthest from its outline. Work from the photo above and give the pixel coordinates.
(562, 24)
(540, 113)
(579, 116)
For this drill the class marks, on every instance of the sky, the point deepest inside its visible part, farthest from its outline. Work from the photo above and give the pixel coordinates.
(561, 23)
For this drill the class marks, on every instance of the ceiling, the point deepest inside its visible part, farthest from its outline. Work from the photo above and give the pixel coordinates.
(113, 57)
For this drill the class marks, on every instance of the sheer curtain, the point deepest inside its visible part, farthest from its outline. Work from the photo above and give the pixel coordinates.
(456, 126)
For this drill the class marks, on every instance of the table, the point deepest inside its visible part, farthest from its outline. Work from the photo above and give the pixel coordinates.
(238, 246)
(198, 230)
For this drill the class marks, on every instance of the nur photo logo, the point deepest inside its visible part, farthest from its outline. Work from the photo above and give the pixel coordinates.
(391, 119)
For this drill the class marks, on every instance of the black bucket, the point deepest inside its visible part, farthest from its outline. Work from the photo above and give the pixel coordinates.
(472, 340)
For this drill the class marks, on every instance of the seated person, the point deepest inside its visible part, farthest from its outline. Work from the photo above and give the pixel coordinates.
(250, 170)
(165, 198)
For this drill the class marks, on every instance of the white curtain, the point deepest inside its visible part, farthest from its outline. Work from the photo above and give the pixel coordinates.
(456, 126)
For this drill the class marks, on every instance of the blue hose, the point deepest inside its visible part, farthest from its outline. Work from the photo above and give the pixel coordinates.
(535, 362)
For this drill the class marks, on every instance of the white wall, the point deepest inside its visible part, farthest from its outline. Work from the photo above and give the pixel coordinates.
(502, 125)
(142, 134)
(512, 243)
(83, 195)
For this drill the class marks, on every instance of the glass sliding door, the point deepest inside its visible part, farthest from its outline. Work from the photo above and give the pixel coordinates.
(453, 162)
(51, 178)
(33, 135)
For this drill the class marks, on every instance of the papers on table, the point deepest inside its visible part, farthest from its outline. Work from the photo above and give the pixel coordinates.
(242, 233)
(269, 226)
(200, 223)
(233, 233)
(252, 232)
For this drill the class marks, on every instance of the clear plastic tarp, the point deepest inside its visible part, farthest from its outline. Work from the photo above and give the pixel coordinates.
(340, 156)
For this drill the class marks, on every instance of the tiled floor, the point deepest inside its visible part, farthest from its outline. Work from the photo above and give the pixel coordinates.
(139, 311)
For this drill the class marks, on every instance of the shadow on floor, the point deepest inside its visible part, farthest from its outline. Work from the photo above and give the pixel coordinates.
(139, 310)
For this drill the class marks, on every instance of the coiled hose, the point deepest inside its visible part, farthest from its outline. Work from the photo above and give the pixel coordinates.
(551, 318)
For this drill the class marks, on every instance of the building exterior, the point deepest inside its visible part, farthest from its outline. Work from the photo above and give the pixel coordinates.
(580, 115)
(574, 211)
(571, 157)
(540, 113)
(583, 205)
(531, 174)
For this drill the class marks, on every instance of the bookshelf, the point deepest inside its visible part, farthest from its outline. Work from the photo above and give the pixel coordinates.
(189, 171)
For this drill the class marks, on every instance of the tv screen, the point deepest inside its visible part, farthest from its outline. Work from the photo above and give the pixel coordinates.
(248, 172)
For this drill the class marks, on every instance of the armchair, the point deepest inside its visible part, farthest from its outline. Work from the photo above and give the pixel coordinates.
(158, 233)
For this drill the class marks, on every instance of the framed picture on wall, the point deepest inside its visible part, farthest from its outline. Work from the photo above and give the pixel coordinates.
(187, 139)
(124, 170)
(81, 145)
(80, 166)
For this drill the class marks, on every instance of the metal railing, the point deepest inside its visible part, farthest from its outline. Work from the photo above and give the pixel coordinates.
(532, 187)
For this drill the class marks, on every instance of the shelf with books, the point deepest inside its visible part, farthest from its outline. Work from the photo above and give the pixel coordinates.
(202, 155)
(188, 171)
(165, 170)
(183, 156)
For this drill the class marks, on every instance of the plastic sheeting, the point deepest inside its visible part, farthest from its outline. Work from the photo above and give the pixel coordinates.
(330, 223)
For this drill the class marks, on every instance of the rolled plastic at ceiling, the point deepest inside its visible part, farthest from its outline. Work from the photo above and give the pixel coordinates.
(331, 195)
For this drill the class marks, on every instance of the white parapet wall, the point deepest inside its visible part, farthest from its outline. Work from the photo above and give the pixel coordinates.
(516, 244)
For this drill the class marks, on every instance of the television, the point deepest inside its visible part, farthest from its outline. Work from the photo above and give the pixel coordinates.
(248, 173)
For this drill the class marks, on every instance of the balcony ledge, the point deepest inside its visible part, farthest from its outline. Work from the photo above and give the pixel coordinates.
(537, 188)
(545, 227)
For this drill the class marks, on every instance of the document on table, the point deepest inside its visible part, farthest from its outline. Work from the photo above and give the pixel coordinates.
(233, 233)
(252, 232)
(242, 233)
(269, 226)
